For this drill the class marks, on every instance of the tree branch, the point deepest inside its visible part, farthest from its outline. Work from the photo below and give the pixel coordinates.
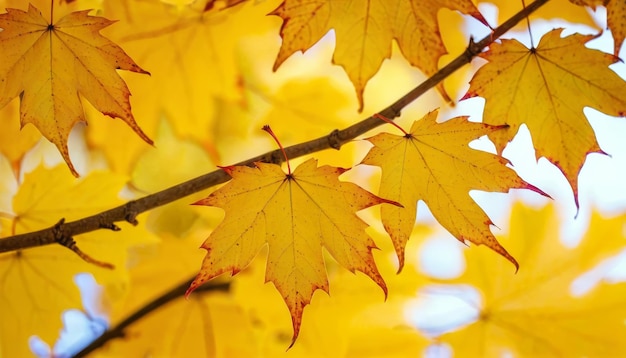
(176, 292)
(130, 210)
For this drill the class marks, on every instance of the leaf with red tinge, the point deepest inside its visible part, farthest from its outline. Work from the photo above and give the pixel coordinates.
(434, 163)
(296, 215)
(547, 88)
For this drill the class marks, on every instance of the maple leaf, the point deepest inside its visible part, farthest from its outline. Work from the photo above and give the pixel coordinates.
(38, 284)
(615, 13)
(434, 163)
(534, 313)
(364, 32)
(344, 324)
(547, 88)
(296, 215)
(49, 65)
(175, 330)
(188, 51)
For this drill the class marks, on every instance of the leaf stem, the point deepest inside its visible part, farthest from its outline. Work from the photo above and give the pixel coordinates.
(385, 119)
(530, 32)
(271, 132)
(130, 210)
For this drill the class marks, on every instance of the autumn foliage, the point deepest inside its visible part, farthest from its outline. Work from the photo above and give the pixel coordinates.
(110, 246)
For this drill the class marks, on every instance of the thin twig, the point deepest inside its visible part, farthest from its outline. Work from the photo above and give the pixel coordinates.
(131, 209)
(176, 292)
(530, 31)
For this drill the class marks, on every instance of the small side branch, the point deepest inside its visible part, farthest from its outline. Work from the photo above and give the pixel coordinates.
(68, 241)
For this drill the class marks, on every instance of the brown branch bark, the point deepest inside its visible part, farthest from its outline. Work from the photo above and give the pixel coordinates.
(129, 211)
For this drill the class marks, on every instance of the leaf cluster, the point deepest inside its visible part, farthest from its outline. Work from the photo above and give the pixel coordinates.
(211, 84)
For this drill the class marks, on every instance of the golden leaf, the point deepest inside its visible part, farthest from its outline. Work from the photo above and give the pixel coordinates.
(434, 163)
(533, 312)
(547, 88)
(49, 65)
(38, 284)
(364, 31)
(296, 215)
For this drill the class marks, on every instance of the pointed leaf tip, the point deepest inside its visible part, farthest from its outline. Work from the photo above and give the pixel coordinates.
(537, 190)
(189, 291)
(192, 287)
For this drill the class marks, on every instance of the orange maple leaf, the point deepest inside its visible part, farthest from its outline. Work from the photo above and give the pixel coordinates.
(296, 215)
(547, 88)
(434, 163)
(48, 65)
(364, 31)
(615, 13)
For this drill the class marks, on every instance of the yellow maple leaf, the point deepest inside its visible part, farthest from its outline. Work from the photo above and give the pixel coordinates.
(352, 321)
(198, 66)
(434, 163)
(364, 32)
(533, 312)
(615, 13)
(49, 65)
(547, 88)
(296, 215)
(204, 318)
(38, 284)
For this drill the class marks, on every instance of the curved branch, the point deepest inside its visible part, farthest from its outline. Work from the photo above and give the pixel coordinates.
(130, 210)
(176, 292)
